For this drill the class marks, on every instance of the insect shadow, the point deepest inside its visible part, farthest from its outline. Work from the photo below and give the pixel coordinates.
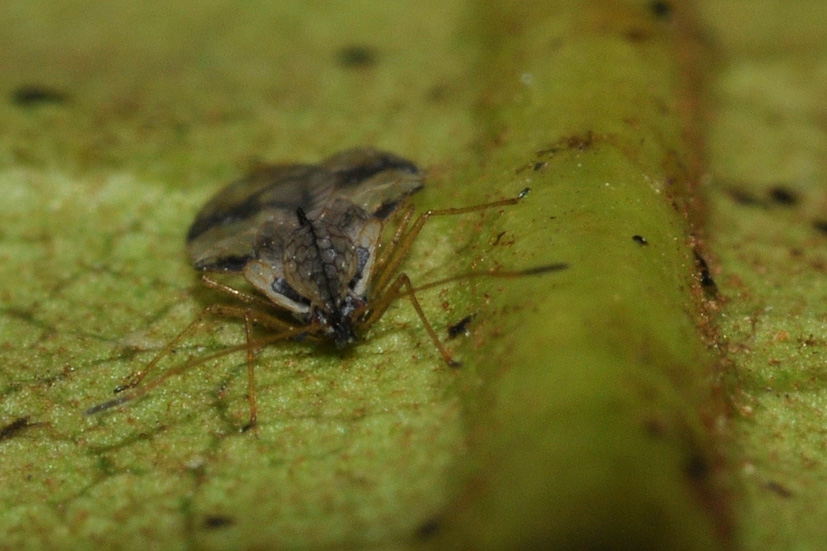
(308, 239)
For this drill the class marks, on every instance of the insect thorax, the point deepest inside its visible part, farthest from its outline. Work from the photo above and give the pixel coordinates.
(324, 266)
(320, 260)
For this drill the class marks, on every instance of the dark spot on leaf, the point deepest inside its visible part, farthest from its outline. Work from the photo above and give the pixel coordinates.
(654, 428)
(697, 467)
(705, 277)
(498, 239)
(575, 142)
(743, 197)
(544, 269)
(581, 142)
(217, 521)
(640, 240)
(460, 327)
(783, 196)
(13, 428)
(809, 341)
(778, 488)
(820, 225)
(356, 56)
(428, 529)
(661, 9)
(32, 95)
(637, 34)
(438, 92)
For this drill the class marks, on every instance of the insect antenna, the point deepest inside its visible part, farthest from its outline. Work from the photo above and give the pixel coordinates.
(503, 274)
(396, 291)
(404, 236)
(387, 289)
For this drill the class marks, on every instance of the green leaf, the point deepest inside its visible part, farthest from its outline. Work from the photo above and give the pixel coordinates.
(767, 207)
(578, 417)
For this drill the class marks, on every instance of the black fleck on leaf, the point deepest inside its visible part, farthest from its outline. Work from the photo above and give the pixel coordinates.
(31, 95)
(217, 521)
(661, 9)
(705, 276)
(783, 196)
(357, 56)
(460, 327)
(13, 428)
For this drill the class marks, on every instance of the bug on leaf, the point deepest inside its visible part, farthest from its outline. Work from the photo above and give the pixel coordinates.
(307, 238)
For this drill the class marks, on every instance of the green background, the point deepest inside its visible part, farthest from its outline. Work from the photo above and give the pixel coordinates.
(618, 404)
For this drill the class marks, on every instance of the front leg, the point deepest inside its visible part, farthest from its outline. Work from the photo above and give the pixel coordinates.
(396, 291)
(405, 236)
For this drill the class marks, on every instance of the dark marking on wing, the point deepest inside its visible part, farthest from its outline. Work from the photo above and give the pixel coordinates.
(281, 287)
(247, 197)
(225, 264)
(362, 255)
(385, 210)
(376, 181)
(361, 172)
(231, 229)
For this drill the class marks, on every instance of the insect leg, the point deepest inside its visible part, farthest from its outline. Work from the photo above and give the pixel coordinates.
(241, 295)
(136, 377)
(395, 291)
(388, 252)
(213, 310)
(285, 331)
(405, 241)
(251, 372)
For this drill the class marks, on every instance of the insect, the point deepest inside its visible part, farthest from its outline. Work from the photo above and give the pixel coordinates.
(308, 239)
